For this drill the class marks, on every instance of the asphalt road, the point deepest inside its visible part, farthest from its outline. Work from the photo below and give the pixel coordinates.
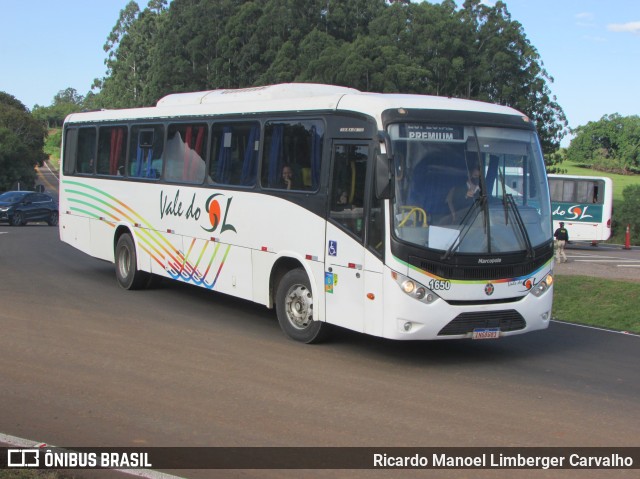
(603, 261)
(48, 178)
(85, 363)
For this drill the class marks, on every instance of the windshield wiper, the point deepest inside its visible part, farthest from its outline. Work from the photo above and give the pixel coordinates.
(510, 202)
(478, 204)
(504, 197)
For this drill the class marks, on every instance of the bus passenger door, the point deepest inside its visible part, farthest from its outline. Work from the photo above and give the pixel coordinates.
(344, 249)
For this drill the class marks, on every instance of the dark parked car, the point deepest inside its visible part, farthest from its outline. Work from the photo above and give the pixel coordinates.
(20, 207)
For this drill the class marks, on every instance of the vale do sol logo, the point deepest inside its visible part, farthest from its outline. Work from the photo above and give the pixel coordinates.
(575, 212)
(213, 208)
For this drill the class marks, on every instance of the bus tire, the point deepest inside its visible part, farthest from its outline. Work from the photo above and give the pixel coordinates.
(295, 308)
(127, 273)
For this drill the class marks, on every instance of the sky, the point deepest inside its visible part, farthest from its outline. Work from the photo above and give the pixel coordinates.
(590, 48)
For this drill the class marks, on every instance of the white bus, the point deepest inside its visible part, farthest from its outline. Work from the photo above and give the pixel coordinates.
(328, 204)
(584, 204)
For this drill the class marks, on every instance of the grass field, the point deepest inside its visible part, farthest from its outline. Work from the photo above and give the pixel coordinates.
(597, 302)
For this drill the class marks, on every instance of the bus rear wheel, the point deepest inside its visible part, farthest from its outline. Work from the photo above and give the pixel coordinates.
(295, 308)
(126, 259)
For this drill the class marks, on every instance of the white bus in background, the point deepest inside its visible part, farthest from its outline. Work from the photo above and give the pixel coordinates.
(323, 202)
(584, 204)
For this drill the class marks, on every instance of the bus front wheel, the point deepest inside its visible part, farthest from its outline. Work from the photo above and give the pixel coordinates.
(127, 272)
(295, 308)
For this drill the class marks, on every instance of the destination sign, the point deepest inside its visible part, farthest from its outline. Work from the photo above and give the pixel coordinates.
(432, 132)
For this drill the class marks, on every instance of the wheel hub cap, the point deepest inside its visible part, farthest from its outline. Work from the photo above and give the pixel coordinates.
(300, 306)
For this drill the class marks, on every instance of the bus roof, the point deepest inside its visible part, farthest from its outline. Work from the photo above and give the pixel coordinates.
(288, 97)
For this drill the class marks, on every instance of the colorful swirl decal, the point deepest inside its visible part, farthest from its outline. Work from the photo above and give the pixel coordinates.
(96, 203)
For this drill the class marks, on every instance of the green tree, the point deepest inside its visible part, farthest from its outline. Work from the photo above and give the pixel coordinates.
(347, 21)
(190, 52)
(244, 45)
(115, 89)
(554, 160)
(285, 66)
(129, 47)
(609, 144)
(440, 41)
(476, 52)
(92, 102)
(21, 143)
(507, 69)
(64, 103)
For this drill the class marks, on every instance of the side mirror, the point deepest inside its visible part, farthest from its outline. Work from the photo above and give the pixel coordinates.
(383, 172)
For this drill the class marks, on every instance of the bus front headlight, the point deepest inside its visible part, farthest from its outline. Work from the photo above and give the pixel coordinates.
(543, 286)
(408, 286)
(414, 289)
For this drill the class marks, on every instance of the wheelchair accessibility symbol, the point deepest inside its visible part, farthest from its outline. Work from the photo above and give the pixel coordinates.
(333, 248)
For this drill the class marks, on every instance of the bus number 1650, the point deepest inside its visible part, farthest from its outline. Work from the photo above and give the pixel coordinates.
(439, 285)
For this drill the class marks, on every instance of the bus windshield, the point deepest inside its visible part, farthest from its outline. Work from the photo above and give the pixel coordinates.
(469, 189)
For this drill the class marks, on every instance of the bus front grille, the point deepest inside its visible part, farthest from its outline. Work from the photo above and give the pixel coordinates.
(507, 320)
(482, 272)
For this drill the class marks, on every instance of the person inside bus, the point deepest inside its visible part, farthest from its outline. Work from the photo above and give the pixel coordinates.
(342, 201)
(460, 198)
(287, 181)
(562, 236)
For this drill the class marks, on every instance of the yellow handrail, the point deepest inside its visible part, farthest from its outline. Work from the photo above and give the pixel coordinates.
(414, 212)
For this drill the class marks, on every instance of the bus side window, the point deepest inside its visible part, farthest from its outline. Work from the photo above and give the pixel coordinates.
(234, 153)
(555, 189)
(86, 153)
(70, 149)
(145, 153)
(348, 185)
(112, 150)
(293, 149)
(184, 154)
(568, 190)
(597, 199)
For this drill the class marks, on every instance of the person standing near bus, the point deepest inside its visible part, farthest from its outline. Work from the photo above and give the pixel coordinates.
(562, 236)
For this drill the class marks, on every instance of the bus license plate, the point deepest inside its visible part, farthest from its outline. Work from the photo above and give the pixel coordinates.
(486, 333)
